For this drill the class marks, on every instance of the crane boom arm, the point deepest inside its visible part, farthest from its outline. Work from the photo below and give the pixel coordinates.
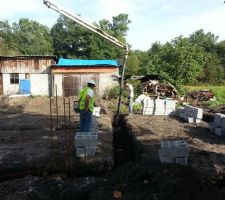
(91, 27)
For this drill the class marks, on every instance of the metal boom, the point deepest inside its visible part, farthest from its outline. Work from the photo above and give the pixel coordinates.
(100, 32)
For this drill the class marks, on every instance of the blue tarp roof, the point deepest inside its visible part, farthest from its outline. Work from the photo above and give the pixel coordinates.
(72, 62)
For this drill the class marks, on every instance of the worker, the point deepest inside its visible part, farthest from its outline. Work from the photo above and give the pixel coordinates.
(130, 90)
(86, 106)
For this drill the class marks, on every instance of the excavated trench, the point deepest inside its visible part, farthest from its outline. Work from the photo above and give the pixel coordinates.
(125, 147)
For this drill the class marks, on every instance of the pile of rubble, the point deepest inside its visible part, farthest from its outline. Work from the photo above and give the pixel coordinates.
(201, 95)
(161, 90)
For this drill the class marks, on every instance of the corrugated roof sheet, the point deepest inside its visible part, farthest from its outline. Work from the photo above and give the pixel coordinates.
(72, 62)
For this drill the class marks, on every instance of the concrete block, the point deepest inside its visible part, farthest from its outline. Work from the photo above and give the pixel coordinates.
(90, 151)
(197, 121)
(182, 115)
(169, 112)
(159, 112)
(194, 111)
(181, 152)
(177, 148)
(180, 143)
(166, 159)
(217, 119)
(190, 120)
(223, 122)
(160, 103)
(86, 139)
(147, 111)
(179, 111)
(170, 104)
(211, 127)
(167, 149)
(181, 161)
(80, 151)
(220, 132)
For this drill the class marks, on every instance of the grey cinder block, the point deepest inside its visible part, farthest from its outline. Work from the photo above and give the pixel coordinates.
(80, 151)
(181, 160)
(90, 151)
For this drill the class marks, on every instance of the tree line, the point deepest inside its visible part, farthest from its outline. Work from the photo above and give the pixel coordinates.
(199, 58)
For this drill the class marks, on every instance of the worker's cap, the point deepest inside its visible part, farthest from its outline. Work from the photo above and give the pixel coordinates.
(91, 82)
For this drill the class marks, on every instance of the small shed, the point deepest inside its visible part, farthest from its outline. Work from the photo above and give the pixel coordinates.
(70, 76)
(30, 72)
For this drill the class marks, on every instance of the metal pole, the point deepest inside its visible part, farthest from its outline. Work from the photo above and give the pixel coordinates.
(57, 114)
(70, 137)
(122, 81)
(51, 119)
(64, 111)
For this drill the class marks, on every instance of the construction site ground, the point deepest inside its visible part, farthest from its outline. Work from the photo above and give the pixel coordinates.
(37, 160)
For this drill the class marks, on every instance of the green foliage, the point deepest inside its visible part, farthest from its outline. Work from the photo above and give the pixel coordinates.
(205, 40)
(112, 93)
(7, 39)
(220, 50)
(213, 72)
(178, 62)
(137, 108)
(72, 40)
(32, 38)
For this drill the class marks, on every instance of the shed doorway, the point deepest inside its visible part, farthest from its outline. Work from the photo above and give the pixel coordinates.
(73, 83)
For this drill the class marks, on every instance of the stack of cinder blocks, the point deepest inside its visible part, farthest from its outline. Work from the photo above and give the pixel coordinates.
(95, 126)
(148, 107)
(85, 143)
(174, 152)
(159, 107)
(218, 124)
(170, 107)
(190, 114)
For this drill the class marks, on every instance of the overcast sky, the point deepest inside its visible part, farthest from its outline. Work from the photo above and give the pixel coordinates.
(152, 20)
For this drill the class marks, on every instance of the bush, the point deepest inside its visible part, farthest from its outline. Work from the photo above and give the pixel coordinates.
(112, 93)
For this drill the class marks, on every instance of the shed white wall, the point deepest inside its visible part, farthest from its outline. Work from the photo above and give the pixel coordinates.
(106, 81)
(58, 81)
(8, 88)
(40, 84)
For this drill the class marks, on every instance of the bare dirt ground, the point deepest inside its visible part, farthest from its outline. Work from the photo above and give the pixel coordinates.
(26, 146)
(31, 139)
(207, 151)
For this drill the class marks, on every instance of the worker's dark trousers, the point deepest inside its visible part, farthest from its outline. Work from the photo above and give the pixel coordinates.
(85, 121)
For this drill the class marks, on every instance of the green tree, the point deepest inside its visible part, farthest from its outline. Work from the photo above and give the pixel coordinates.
(72, 40)
(7, 40)
(178, 61)
(132, 64)
(213, 72)
(206, 40)
(220, 49)
(32, 38)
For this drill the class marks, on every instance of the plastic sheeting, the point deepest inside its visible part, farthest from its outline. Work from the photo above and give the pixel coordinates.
(71, 62)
